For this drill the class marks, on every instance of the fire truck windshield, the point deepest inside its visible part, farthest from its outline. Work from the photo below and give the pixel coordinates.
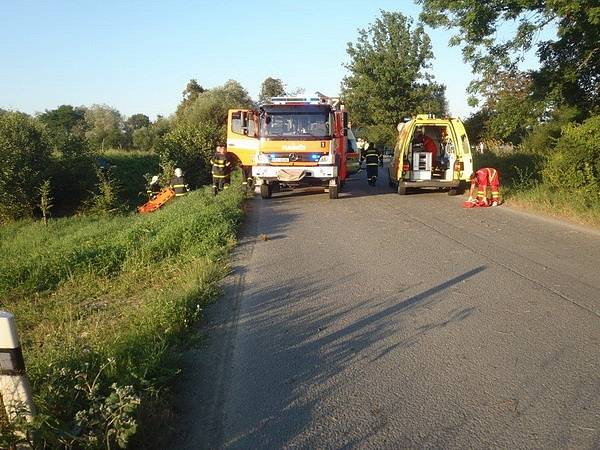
(291, 124)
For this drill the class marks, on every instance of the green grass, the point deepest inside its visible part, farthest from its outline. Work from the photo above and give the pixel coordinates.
(109, 298)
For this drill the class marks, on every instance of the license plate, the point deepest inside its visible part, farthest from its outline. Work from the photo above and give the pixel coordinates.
(280, 159)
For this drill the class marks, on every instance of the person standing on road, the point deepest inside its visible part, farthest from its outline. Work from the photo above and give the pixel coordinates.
(372, 162)
(362, 146)
(483, 178)
(248, 180)
(221, 169)
(178, 183)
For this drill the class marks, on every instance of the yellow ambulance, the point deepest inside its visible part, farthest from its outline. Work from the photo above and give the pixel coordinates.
(431, 153)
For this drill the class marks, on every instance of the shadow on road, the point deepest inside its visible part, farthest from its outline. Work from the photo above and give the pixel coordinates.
(302, 354)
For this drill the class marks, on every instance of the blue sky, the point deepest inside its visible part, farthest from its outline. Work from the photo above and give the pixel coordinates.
(137, 56)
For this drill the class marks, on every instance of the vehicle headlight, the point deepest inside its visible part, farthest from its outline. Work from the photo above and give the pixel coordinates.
(261, 158)
(326, 159)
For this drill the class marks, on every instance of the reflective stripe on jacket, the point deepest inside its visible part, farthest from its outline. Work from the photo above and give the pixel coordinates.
(221, 166)
(372, 158)
(179, 186)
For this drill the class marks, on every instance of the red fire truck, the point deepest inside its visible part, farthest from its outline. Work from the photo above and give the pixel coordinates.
(292, 141)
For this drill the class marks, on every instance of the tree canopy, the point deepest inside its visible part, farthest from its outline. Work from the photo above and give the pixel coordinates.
(190, 93)
(64, 118)
(137, 121)
(570, 63)
(271, 87)
(105, 125)
(389, 75)
(212, 105)
(66, 128)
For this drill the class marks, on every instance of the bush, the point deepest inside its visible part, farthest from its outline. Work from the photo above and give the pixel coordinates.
(190, 148)
(131, 170)
(575, 164)
(24, 156)
(543, 137)
(105, 200)
(518, 168)
(73, 179)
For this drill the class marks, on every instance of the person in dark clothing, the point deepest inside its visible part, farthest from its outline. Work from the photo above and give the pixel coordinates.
(154, 187)
(248, 180)
(372, 162)
(221, 169)
(178, 183)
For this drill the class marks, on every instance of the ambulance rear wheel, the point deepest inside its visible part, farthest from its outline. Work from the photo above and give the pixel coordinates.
(452, 192)
(265, 191)
(333, 192)
(401, 189)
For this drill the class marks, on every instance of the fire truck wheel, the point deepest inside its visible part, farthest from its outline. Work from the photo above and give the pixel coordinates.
(265, 190)
(333, 192)
(401, 189)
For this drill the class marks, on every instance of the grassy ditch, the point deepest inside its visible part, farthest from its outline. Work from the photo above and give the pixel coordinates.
(523, 186)
(101, 302)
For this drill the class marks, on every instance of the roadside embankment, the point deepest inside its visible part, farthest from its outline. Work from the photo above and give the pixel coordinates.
(102, 302)
(523, 186)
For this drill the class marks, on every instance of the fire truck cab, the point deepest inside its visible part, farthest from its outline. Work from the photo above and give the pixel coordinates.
(292, 141)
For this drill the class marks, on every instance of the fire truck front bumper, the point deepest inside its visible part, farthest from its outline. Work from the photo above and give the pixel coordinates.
(294, 173)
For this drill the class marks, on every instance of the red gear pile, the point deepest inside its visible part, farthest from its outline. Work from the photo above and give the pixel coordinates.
(476, 204)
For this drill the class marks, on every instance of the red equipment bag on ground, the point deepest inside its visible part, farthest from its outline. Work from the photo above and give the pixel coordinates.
(475, 204)
(154, 203)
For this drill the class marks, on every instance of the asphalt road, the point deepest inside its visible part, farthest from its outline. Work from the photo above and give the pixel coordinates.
(386, 321)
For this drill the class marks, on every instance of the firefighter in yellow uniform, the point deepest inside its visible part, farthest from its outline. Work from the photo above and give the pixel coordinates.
(221, 169)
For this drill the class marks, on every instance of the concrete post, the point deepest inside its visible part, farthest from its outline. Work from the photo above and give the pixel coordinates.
(14, 384)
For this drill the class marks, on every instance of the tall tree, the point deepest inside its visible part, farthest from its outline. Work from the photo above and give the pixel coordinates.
(137, 121)
(148, 137)
(510, 107)
(212, 105)
(66, 127)
(64, 118)
(570, 69)
(190, 94)
(105, 127)
(271, 87)
(389, 75)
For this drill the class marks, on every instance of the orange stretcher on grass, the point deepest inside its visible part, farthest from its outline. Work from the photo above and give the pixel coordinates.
(156, 202)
